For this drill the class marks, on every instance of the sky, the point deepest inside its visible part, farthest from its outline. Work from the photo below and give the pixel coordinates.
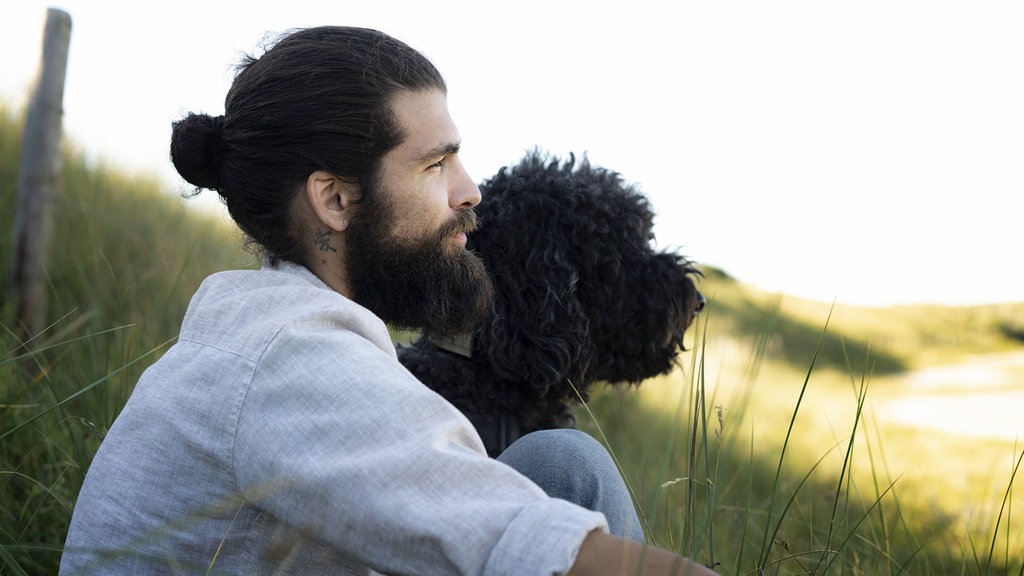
(866, 152)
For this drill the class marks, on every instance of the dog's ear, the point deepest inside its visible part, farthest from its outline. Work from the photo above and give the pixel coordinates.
(539, 332)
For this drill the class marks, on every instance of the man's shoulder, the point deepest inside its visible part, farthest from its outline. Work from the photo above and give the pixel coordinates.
(245, 309)
(257, 294)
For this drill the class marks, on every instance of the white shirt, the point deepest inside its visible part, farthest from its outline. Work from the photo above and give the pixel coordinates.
(280, 435)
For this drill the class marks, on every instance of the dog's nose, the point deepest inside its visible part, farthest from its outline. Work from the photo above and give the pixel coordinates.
(701, 301)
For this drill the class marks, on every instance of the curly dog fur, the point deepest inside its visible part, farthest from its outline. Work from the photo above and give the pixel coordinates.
(580, 297)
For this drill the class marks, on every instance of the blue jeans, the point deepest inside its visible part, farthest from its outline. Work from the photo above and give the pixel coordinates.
(573, 466)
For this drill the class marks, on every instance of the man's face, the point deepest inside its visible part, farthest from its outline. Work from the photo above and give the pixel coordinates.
(407, 261)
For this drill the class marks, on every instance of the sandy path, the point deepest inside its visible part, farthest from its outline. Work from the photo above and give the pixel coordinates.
(983, 397)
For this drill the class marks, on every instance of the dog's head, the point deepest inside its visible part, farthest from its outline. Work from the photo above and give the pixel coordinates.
(580, 293)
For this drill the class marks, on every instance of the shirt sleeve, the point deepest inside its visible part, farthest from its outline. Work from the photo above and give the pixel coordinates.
(336, 438)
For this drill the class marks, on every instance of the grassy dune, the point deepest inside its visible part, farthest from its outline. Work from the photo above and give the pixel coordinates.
(126, 256)
(764, 451)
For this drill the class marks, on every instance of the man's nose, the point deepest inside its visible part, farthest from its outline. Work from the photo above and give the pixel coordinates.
(467, 196)
(464, 192)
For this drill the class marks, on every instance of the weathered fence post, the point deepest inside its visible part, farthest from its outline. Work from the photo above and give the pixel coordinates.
(39, 176)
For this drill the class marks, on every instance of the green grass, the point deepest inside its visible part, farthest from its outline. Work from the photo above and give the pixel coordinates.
(762, 452)
(789, 472)
(126, 256)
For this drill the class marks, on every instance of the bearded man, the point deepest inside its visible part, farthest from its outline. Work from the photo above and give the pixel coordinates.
(280, 435)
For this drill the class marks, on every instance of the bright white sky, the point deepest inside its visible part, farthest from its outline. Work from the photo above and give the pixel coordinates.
(867, 151)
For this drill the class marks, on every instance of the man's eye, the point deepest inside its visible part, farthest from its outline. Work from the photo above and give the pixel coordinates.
(438, 164)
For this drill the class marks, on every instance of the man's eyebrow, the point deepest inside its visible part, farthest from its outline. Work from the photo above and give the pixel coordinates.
(440, 150)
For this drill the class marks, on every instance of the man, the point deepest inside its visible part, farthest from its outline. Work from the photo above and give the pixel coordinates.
(280, 435)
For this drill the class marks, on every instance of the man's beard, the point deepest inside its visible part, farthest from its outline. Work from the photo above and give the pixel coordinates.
(428, 284)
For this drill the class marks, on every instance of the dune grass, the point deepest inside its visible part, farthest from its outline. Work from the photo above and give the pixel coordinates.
(125, 258)
(761, 454)
(764, 468)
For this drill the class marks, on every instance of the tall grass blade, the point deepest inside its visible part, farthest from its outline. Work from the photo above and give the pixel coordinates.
(844, 473)
(999, 517)
(604, 439)
(766, 542)
(85, 389)
(36, 351)
(10, 561)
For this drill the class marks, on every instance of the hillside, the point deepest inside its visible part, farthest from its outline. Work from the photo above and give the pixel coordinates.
(110, 223)
(128, 254)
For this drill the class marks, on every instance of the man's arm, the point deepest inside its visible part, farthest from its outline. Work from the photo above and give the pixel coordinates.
(602, 553)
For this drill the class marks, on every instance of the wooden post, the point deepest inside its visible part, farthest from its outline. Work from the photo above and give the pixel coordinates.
(39, 176)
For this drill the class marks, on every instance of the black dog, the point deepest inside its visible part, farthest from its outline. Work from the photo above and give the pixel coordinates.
(580, 297)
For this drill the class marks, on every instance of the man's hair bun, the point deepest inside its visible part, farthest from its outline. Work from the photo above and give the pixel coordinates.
(195, 149)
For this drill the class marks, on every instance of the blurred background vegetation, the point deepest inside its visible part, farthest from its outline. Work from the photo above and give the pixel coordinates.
(773, 449)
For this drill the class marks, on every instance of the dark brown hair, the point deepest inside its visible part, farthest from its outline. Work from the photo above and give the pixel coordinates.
(318, 99)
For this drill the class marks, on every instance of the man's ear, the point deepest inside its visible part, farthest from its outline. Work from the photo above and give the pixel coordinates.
(331, 198)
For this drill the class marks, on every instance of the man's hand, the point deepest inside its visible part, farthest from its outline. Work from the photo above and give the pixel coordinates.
(602, 553)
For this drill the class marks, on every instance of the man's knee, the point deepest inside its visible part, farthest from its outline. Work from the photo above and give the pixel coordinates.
(561, 447)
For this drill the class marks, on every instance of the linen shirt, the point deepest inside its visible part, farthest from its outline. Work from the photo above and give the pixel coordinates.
(280, 435)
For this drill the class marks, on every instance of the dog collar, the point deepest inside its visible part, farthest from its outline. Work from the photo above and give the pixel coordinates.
(461, 344)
